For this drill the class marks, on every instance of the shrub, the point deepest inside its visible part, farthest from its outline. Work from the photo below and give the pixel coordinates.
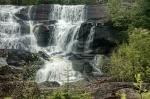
(132, 57)
(74, 94)
(144, 93)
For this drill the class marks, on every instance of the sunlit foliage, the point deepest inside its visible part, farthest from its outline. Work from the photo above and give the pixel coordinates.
(132, 57)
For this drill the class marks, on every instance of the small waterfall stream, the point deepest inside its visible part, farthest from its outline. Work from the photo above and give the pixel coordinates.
(90, 38)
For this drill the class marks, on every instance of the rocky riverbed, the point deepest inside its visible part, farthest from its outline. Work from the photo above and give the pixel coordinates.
(18, 69)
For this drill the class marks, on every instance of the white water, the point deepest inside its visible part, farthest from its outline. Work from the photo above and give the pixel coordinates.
(10, 30)
(58, 69)
(33, 46)
(10, 35)
(69, 19)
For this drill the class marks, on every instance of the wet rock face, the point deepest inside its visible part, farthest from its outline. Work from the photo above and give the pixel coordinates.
(42, 34)
(96, 15)
(20, 57)
(103, 41)
(16, 65)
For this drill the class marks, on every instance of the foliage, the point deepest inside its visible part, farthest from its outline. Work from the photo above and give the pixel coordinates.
(143, 92)
(31, 67)
(75, 94)
(138, 83)
(7, 98)
(123, 96)
(146, 95)
(21, 90)
(132, 57)
(30, 72)
(119, 14)
(129, 14)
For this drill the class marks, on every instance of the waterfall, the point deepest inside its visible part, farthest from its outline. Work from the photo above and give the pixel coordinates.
(69, 19)
(64, 38)
(10, 35)
(33, 46)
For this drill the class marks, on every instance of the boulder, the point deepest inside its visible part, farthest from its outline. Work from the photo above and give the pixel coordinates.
(84, 31)
(43, 34)
(3, 53)
(21, 57)
(23, 14)
(103, 39)
(86, 68)
(43, 55)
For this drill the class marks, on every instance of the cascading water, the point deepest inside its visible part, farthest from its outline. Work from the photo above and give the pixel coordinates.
(10, 35)
(64, 37)
(69, 19)
(34, 46)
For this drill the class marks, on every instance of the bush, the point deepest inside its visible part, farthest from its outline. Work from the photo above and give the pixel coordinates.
(133, 57)
(76, 94)
(129, 14)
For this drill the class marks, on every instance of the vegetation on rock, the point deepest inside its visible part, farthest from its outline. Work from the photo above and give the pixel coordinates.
(132, 20)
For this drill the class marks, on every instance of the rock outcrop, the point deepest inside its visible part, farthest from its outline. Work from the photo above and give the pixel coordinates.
(17, 65)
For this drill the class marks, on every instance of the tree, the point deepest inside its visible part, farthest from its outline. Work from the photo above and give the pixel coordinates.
(129, 14)
(133, 57)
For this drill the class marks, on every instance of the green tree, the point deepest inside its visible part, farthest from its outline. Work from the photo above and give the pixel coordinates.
(129, 14)
(133, 57)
